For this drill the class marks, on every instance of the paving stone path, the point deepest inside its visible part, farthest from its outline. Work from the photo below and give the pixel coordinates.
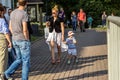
(92, 53)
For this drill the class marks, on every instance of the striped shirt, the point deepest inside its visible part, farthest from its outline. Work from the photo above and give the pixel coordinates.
(3, 26)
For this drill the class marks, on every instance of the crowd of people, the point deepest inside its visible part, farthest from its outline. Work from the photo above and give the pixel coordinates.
(79, 19)
(14, 36)
(15, 46)
(54, 36)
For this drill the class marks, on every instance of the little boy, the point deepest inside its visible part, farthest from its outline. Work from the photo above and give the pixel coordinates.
(71, 41)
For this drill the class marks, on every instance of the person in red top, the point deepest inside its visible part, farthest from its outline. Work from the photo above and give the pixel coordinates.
(81, 20)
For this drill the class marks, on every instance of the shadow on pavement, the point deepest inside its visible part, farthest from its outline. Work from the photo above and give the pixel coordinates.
(63, 67)
(86, 75)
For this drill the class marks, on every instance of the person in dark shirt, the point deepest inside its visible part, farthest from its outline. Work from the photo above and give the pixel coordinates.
(62, 14)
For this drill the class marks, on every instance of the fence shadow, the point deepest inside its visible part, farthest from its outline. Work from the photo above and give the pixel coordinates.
(41, 58)
(63, 67)
(86, 75)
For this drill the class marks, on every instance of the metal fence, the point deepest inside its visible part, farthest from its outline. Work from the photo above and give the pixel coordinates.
(113, 36)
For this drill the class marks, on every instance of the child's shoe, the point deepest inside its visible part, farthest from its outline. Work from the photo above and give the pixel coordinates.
(76, 60)
(68, 62)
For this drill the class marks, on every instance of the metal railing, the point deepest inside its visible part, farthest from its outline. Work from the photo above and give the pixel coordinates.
(113, 38)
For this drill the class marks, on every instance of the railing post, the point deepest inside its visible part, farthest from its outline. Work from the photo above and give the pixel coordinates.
(113, 38)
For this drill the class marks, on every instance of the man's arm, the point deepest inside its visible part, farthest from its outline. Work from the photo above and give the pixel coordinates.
(25, 30)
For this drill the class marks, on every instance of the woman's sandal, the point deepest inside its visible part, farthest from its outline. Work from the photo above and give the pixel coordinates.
(53, 62)
(58, 61)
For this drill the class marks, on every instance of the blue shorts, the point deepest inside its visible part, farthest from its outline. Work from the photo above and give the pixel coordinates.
(72, 52)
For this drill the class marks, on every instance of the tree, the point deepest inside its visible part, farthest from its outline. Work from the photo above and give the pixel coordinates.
(91, 7)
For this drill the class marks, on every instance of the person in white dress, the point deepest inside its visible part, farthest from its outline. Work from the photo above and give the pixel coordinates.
(56, 35)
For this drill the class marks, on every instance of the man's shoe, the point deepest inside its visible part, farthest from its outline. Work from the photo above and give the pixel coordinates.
(1, 78)
(7, 77)
(10, 78)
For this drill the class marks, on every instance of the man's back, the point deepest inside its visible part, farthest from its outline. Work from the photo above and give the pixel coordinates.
(17, 17)
(21, 43)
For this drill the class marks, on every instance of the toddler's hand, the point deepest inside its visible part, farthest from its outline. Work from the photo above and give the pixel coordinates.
(64, 42)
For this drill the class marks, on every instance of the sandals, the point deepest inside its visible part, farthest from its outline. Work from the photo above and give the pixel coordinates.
(58, 61)
(53, 62)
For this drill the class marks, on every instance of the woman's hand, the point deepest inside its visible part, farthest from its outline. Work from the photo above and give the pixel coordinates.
(9, 45)
(84, 21)
(64, 42)
(8, 40)
(48, 23)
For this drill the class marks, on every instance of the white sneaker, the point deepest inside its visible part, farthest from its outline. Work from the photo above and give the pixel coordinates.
(10, 79)
(68, 62)
(1, 77)
(76, 60)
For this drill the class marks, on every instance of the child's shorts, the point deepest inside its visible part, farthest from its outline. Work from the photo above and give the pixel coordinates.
(72, 52)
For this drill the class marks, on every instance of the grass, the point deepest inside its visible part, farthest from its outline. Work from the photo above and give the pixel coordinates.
(101, 29)
(33, 38)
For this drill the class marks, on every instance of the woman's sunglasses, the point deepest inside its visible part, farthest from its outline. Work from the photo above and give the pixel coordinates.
(53, 13)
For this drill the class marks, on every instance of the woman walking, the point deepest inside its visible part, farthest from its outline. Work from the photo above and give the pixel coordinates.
(4, 43)
(56, 34)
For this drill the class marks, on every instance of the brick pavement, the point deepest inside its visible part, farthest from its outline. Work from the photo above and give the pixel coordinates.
(92, 52)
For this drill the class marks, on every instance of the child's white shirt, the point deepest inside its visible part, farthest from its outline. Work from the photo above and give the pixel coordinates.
(46, 32)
